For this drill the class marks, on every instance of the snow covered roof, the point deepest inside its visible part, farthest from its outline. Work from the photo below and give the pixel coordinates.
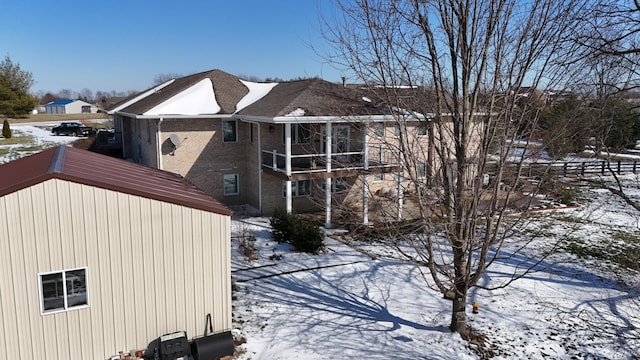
(205, 93)
(216, 92)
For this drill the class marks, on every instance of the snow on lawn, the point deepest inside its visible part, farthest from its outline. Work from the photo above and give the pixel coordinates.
(39, 138)
(343, 304)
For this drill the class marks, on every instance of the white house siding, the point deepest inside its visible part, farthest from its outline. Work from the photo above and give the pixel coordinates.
(153, 268)
(76, 107)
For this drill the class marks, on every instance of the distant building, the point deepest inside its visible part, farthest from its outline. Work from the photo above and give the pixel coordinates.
(68, 106)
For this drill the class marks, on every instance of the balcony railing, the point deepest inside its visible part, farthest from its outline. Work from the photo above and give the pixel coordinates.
(316, 163)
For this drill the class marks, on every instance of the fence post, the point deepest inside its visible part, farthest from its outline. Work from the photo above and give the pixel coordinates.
(634, 166)
(619, 167)
(602, 172)
(582, 169)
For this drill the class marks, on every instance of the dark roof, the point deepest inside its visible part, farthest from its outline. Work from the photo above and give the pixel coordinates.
(227, 88)
(93, 169)
(316, 97)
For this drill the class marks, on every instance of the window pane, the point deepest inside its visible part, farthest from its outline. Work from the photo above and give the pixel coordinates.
(76, 287)
(230, 184)
(52, 291)
(421, 170)
(379, 129)
(304, 187)
(229, 131)
(422, 128)
(303, 132)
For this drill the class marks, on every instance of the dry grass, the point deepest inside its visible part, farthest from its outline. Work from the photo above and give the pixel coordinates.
(59, 117)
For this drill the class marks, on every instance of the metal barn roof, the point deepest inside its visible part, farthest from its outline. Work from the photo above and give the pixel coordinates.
(93, 169)
(61, 102)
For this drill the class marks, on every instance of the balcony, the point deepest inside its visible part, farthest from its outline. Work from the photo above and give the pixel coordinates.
(309, 166)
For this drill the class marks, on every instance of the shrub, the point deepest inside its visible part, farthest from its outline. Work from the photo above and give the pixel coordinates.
(282, 225)
(307, 236)
(6, 129)
(302, 234)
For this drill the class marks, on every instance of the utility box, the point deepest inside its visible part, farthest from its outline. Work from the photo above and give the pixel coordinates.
(173, 346)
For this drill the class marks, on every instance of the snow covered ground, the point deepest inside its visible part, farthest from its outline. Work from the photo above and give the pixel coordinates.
(580, 304)
(39, 138)
(343, 304)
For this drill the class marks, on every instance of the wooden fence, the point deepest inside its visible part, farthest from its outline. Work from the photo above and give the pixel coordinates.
(581, 168)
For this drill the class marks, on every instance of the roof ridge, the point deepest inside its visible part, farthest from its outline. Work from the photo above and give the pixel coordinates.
(57, 162)
(311, 81)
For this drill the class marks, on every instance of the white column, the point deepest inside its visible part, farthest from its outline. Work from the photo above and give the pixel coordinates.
(327, 190)
(400, 192)
(365, 178)
(287, 164)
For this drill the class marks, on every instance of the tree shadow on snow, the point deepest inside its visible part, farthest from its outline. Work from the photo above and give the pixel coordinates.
(340, 307)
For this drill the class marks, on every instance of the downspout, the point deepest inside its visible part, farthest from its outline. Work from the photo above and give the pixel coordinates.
(159, 152)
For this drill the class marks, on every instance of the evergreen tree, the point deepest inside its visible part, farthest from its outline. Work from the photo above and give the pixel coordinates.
(14, 89)
(6, 129)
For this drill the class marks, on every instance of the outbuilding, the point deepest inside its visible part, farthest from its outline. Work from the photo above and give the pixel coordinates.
(68, 106)
(99, 255)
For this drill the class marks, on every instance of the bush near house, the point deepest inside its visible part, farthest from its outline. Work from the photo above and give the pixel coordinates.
(6, 130)
(304, 235)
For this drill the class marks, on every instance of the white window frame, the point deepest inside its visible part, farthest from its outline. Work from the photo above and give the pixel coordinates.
(295, 188)
(65, 294)
(236, 181)
(235, 131)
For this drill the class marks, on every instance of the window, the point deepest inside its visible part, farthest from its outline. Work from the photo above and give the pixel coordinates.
(378, 177)
(421, 170)
(298, 188)
(338, 185)
(423, 128)
(378, 129)
(63, 290)
(229, 131)
(300, 133)
(230, 184)
(396, 130)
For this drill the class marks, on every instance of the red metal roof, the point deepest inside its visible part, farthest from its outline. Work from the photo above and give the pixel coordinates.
(93, 169)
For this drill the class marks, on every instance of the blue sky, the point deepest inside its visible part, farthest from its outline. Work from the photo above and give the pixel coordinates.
(124, 44)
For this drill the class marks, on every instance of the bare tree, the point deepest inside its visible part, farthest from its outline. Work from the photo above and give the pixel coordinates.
(468, 63)
(161, 78)
(86, 95)
(610, 35)
(65, 94)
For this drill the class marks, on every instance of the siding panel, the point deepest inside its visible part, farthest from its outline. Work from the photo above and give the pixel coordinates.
(151, 270)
